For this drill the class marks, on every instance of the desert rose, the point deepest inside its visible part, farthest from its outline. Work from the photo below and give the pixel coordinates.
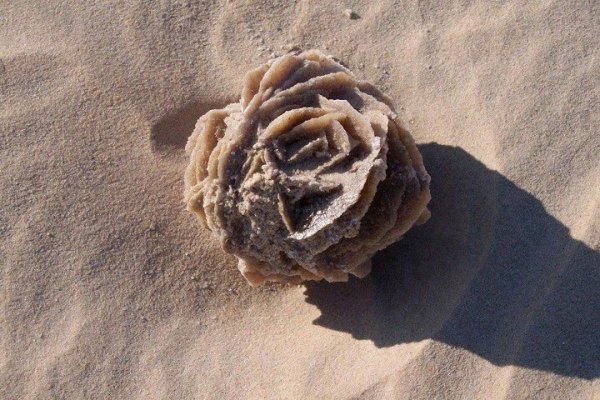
(308, 175)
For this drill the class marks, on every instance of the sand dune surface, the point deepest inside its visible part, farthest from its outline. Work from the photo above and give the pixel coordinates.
(110, 289)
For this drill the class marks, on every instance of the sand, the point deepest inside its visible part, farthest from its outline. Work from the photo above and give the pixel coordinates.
(110, 289)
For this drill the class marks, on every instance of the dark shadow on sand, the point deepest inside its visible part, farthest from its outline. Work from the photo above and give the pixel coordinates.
(492, 272)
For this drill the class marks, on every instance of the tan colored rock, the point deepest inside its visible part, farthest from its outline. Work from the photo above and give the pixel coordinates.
(308, 175)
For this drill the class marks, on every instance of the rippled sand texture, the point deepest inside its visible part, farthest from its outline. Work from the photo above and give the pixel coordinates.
(308, 175)
(109, 289)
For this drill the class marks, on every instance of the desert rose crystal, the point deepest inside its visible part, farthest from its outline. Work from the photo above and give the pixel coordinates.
(308, 175)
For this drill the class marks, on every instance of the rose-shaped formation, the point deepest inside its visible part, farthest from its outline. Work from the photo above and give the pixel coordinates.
(308, 175)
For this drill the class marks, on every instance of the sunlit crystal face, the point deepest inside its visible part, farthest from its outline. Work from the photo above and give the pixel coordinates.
(319, 158)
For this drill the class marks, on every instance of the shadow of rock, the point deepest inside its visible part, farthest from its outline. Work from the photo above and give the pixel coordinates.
(169, 135)
(492, 272)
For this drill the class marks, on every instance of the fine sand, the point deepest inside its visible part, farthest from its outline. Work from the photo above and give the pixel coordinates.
(109, 289)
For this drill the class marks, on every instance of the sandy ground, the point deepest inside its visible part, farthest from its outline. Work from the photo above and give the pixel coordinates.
(109, 289)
